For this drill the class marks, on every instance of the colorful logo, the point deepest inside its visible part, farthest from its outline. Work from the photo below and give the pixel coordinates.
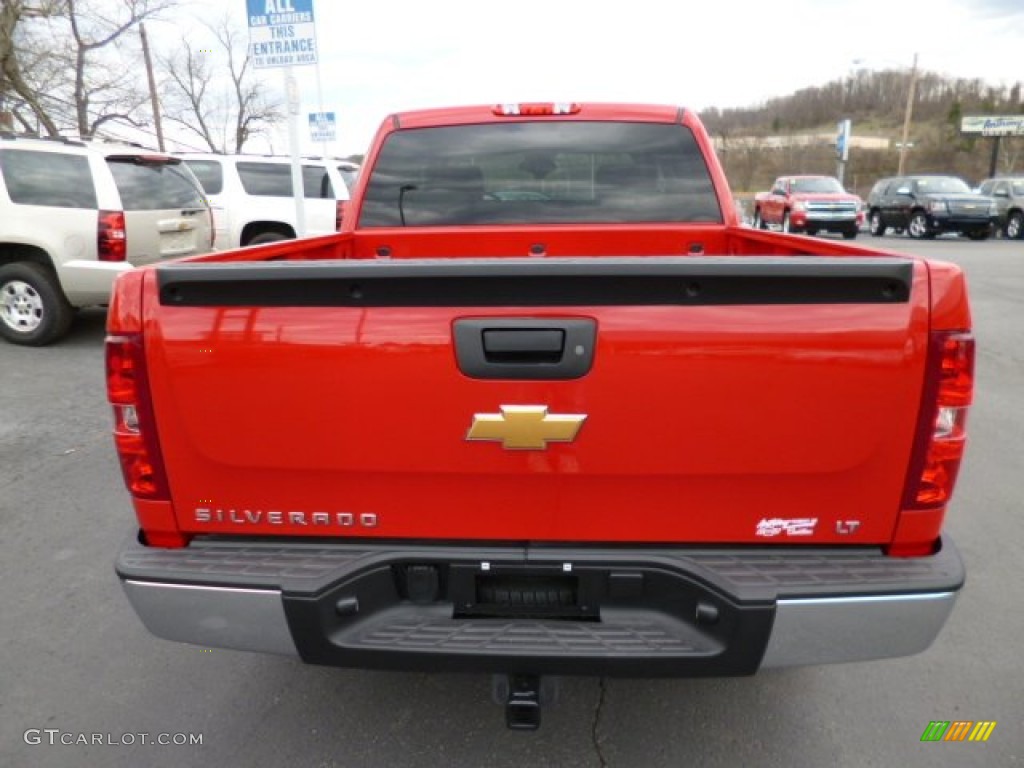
(958, 730)
(796, 526)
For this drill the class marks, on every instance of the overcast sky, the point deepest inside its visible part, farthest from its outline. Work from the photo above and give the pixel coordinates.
(381, 57)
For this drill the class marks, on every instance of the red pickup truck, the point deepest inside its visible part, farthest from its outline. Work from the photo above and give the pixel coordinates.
(809, 204)
(543, 406)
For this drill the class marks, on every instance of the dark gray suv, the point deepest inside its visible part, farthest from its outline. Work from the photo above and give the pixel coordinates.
(926, 206)
(1008, 192)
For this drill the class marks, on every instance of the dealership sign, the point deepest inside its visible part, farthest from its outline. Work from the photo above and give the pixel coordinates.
(281, 33)
(993, 125)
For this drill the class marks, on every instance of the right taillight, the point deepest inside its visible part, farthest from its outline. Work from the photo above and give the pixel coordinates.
(339, 213)
(942, 434)
(111, 236)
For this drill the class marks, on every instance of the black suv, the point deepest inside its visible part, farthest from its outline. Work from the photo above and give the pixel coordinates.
(925, 206)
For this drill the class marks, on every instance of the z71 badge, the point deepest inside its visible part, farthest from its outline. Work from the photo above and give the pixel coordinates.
(793, 526)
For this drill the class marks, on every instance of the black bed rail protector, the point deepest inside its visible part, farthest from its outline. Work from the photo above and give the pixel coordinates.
(637, 281)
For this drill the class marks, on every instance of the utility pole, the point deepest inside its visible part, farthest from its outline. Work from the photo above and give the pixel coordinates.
(906, 118)
(993, 164)
(152, 88)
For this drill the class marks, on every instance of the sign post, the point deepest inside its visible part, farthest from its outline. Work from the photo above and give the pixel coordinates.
(843, 147)
(282, 33)
(291, 89)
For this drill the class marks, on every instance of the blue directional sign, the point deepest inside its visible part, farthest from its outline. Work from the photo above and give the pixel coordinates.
(282, 33)
(322, 126)
(843, 140)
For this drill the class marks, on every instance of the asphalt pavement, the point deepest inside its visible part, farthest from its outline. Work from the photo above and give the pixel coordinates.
(76, 664)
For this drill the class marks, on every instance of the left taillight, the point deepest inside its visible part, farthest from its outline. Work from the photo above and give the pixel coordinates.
(942, 429)
(111, 236)
(134, 427)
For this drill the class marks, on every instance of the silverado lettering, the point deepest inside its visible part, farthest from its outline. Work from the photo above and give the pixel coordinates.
(604, 429)
(274, 517)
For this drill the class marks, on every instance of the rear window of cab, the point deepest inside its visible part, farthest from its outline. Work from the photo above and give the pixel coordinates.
(540, 173)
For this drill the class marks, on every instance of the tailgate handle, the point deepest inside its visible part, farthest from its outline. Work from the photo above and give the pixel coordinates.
(524, 347)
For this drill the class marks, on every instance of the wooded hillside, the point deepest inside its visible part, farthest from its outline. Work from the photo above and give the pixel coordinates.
(875, 102)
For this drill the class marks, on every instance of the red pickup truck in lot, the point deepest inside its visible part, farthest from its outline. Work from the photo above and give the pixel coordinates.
(809, 204)
(543, 407)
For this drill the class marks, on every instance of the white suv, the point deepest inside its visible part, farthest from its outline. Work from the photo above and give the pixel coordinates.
(74, 215)
(251, 196)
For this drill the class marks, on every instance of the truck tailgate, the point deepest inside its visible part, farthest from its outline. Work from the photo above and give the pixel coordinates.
(722, 400)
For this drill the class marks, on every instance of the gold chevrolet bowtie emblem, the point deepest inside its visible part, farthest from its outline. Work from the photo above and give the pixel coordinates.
(526, 427)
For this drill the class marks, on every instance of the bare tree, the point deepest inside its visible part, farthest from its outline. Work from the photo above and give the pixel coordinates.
(102, 94)
(13, 80)
(69, 61)
(192, 101)
(255, 109)
(212, 91)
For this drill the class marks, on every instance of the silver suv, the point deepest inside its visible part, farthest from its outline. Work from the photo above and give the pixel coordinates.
(1008, 192)
(74, 215)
